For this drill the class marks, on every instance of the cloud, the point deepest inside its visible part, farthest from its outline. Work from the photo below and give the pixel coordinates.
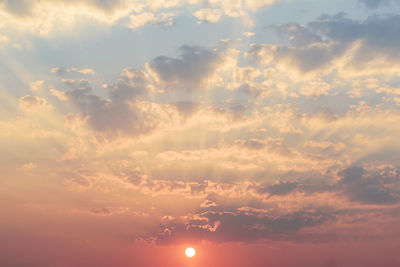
(241, 225)
(189, 71)
(34, 103)
(50, 16)
(377, 3)
(186, 108)
(62, 71)
(281, 188)
(335, 43)
(160, 19)
(58, 71)
(117, 114)
(37, 85)
(62, 16)
(208, 15)
(370, 187)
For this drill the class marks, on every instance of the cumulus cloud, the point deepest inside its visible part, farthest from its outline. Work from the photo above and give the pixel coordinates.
(190, 70)
(119, 112)
(333, 42)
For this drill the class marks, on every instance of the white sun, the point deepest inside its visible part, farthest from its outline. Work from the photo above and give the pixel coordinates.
(190, 252)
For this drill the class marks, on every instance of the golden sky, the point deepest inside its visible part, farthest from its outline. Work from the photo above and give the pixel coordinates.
(260, 132)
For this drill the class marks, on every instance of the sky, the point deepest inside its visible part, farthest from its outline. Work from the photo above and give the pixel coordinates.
(260, 132)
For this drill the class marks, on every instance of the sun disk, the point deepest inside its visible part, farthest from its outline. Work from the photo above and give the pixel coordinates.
(190, 252)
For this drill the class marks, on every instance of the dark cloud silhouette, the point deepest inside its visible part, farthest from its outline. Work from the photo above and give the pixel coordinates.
(190, 69)
(244, 224)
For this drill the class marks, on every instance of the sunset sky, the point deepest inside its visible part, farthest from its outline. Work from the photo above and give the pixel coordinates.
(260, 132)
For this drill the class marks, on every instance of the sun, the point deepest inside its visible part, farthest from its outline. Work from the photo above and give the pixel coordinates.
(190, 252)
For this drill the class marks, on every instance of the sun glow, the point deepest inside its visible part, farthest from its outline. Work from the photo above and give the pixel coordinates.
(190, 252)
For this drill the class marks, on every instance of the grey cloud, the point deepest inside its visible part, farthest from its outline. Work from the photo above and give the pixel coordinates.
(31, 102)
(304, 58)
(368, 188)
(377, 3)
(316, 45)
(117, 113)
(101, 211)
(377, 186)
(254, 144)
(81, 181)
(241, 225)
(273, 144)
(17, 7)
(299, 35)
(59, 71)
(186, 108)
(379, 35)
(357, 184)
(190, 69)
(136, 178)
(281, 188)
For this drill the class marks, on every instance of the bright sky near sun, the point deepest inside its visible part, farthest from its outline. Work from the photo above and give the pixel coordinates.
(248, 129)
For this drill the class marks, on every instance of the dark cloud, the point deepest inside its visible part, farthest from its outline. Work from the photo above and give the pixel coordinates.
(380, 35)
(368, 188)
(316, 45)
(377, 186)
(242, 225)
(118, 113)
(190, 69)
(281, 188)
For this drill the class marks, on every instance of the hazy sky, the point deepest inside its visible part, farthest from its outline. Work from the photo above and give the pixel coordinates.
(260, 132)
